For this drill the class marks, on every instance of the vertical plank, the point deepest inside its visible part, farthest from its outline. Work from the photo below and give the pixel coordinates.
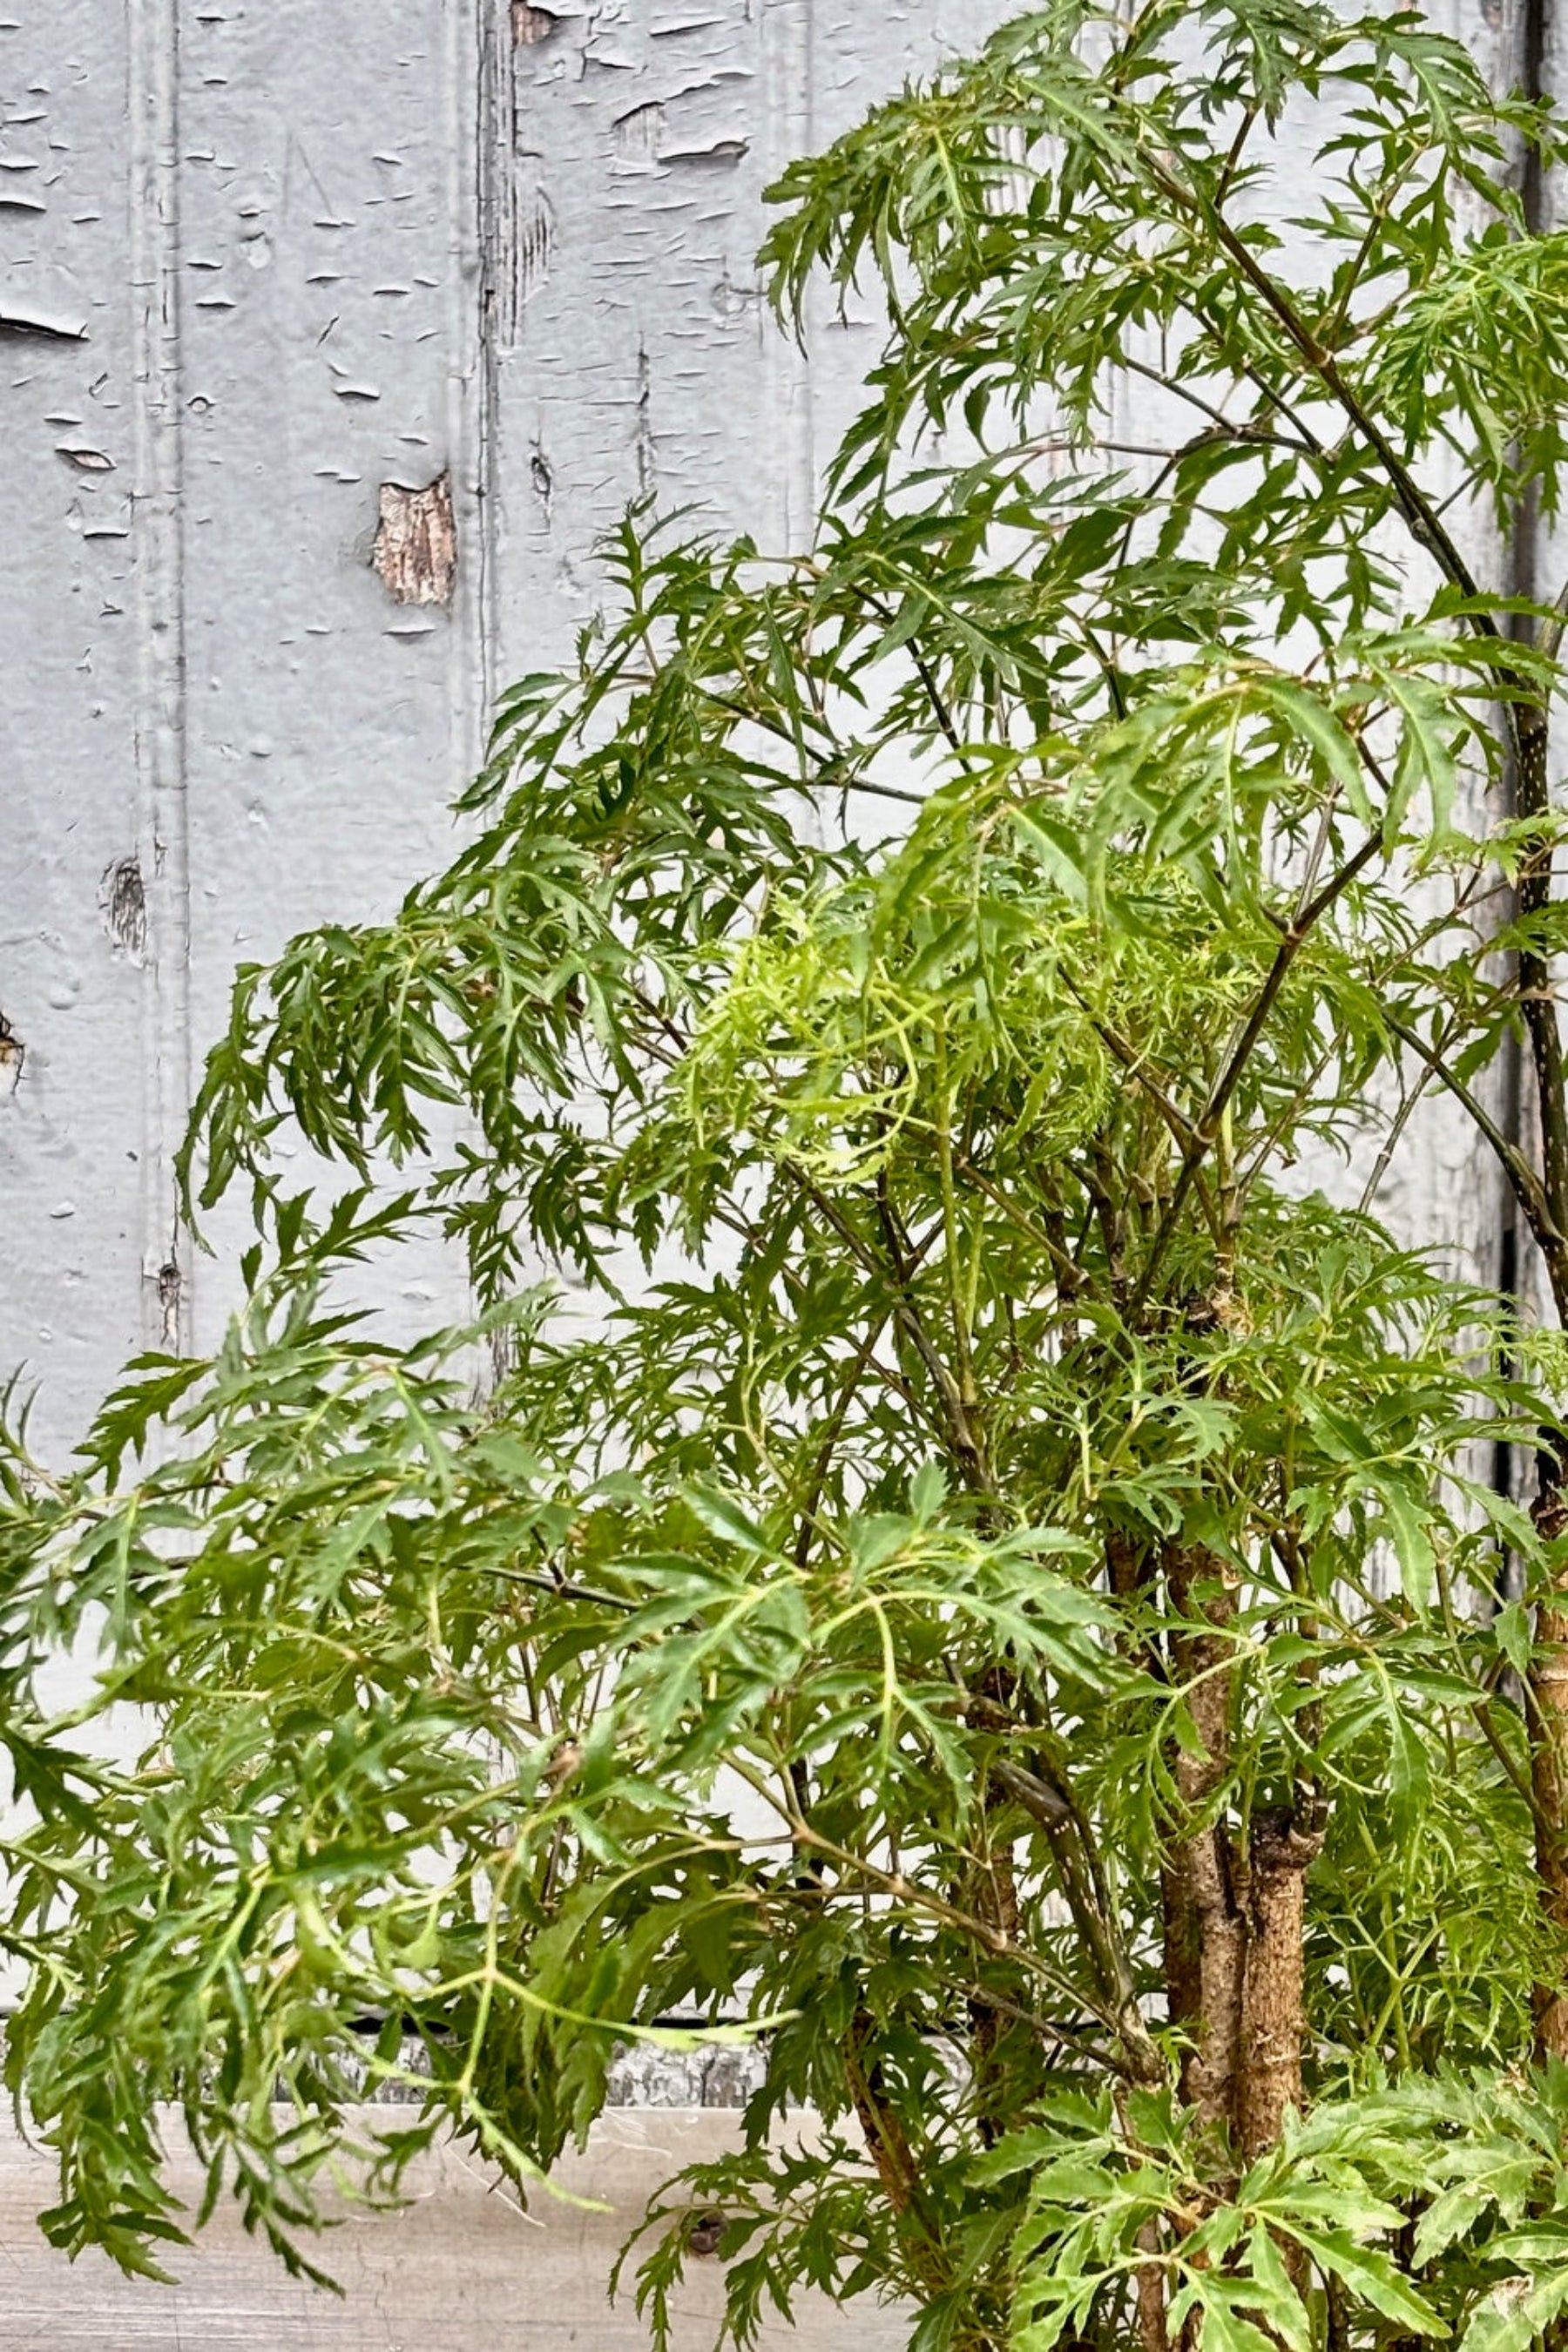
(153, 112)
(629, 353)
(238, 337)
(74, 857)
(1542, 70)
(1444, 1189)
(331, 532)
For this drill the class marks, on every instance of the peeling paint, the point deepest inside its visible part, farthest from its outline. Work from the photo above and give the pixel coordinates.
(122, 902)
(721, 150)
(533, 247)
(637, 133)
(583, 224)
(13, 1054)
(20, 320)
(170, 1284)
(415, 551)
(647, 459)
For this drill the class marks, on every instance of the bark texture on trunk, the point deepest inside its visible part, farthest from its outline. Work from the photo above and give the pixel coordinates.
(1235, 1911)
(898, 2167)
(1206, 1955)
(1269, 2078)
(1204, 1930)
(1153, 2333)
(993, 1896)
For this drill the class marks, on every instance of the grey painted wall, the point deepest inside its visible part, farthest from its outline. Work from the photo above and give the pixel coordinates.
(331, 335)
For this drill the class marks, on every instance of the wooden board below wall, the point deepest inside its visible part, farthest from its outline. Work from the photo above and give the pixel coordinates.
(460, 2269)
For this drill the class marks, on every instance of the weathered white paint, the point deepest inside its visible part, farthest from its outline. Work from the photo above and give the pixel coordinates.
(259, 266)
(321, 259)
(317, 253)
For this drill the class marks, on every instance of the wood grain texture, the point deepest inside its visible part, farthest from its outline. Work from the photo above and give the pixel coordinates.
(461, 2268)
(274, 260)
(260, 262)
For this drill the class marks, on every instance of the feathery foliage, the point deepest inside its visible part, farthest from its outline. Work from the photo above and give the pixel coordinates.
(975, 1575)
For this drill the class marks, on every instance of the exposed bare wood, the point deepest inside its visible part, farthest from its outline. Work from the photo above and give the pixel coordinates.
(416, 550)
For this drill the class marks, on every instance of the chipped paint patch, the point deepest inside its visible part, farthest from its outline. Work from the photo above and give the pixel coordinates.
(638, 134)
(122, 902)
(723, 151)
(529, 25)
(171, 1281)
(532, 251)
(13, 1054)
(416, 550)
(18, 320)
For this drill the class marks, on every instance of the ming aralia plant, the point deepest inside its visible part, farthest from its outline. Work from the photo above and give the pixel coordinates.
(971, 1575)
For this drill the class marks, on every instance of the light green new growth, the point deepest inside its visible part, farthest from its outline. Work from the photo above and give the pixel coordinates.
(979, 1578)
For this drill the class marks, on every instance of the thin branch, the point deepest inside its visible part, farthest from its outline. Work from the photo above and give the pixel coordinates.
(1377, 217)
(962, 1436)
(1424, 523)
(1527, 1186)
(1390, 1144)
(1236, 1061)
(561, 1588)
(1243, 134)
(831, 1437)
(1549, 640)
(1530, 728)
(934, 696)
(1177, 1119)
(1069, 1277)
(996, 1940)
(1243, 430)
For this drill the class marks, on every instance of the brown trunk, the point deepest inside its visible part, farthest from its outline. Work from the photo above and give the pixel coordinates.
(1204, 1930)
(897, 2167)
(992, 1894)
(1268, 2080)
(885, 2142)
(1545, 1209)
(1206, 1957)
(1152, 2335)
(1549, 1764)
(1235, 1921)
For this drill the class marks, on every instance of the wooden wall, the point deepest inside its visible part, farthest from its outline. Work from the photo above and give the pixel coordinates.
(331, 334)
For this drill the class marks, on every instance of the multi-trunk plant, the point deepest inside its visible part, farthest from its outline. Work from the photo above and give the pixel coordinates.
(971, 1574)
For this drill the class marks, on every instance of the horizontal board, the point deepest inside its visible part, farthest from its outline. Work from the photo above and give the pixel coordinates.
(461, 2268)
